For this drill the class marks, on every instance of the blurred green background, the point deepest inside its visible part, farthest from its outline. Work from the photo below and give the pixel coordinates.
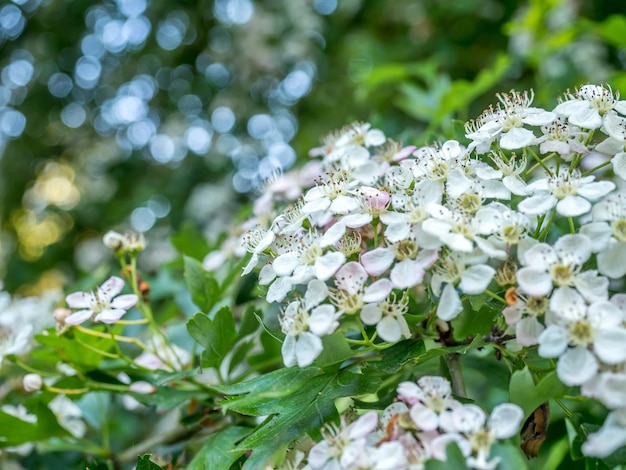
(148, 115)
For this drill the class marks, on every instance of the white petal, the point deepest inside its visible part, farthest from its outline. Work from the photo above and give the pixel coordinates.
(592, 287)
(423, 417)
(573, 206)
(78, 317)
(316, 205)
(528, 330)
(534, 282)
(537, 205)
(351, 277)
(619, 165)
(449, 304)
(553, 341)
(278, 290)
(333, 235)
(374, 138)
(397, 231)
(599, 233)
(596, 190)
(515, 184)
(343, 205)
(110, 315)
(125, 301)
(614, 126)
(610, 345)
(573, 248)
(288, 350)
(377, 261)
(322, 320)
(79, 299)
(112, 286)
(356, 220)
(327, 265)
(266, 275)
(407, 273)
(308, 348)
(371, 314)
(505, 420)
(516, 138)
(377, 291)
(612, 260)
(610, 437)
(576, 366)
(587, 118)
(316, 292)
(475, 279)
(389, 329)
(285, 264)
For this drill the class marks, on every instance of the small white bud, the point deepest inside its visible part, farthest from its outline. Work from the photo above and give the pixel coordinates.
(32, 382)
(114, 240)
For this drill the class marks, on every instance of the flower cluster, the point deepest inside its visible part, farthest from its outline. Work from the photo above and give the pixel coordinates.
(415, 429)
(523, 207)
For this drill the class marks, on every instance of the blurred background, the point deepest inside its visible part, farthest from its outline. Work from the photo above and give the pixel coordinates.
(165, 117)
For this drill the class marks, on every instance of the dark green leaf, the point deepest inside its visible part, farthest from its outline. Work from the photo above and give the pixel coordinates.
(203, 288)
(218, 452)
(144, 463)
(296, 400)
(218, 336)
(394, 358)
(474, 321)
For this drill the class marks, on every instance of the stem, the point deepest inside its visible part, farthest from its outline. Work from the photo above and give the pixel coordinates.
(546, 229)
(454, 367)
(66, 391)
(572, 229)
(496, 296)
(28, 368)
(601, 165)
(540, 162)
(96, 350)
(121, 339)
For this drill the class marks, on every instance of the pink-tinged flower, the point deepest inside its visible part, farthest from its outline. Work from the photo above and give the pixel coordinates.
(104, 305)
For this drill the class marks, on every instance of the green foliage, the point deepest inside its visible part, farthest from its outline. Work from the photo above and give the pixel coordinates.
(203, 287)
(296, 401)
(525, 393)
(144, 463)
(217, 336)
(218, 452)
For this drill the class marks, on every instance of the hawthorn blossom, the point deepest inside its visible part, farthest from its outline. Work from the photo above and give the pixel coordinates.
(304, 322)
(594, 107)
(570, 192)
(352, 294)
(388, 316)
(560, 266)
(610, 437)
(506, 123)
(581, 336)
(104, 305)
(430, 400)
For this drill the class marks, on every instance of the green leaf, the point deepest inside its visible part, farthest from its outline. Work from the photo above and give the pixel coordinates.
(474, 321)
(218, 336)
(336, 350)
(218, 451)
(296, 401)
(525, 393)
(14, 431)
(189, 241)
(394, 358)
(144, 463)
(613, 30)
(249, 323)
(203, 288)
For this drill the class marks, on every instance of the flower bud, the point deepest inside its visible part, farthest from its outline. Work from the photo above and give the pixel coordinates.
(113, 240)
(32, 382)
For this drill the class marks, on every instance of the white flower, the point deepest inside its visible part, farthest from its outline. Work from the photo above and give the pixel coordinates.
(506, 123)
(352, 294)
(609, 234)
(594, 107)
(332, 194)
(562, 138)
(567, 190)
(104, 305)
(581, 335)
(523, 315)
(430, 399)
(256, 241)
(610, 437)
(561, 266)
(388, 316)
(68, 415)
(468, 270)
(304, 322)
(342, 445)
